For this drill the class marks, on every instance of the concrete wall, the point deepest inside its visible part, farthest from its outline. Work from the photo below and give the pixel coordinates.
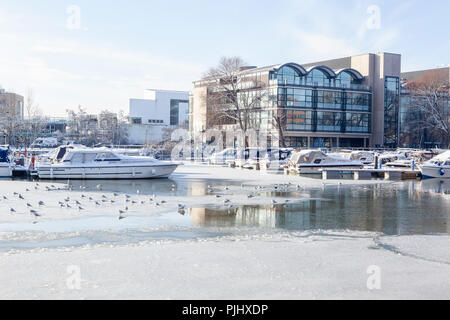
(155, 106)
(158, 108)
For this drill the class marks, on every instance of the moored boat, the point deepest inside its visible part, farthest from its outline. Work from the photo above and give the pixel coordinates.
(102, 163)
(437, 167)
(312, 161)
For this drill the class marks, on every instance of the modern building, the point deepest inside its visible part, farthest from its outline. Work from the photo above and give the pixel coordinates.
(416, 131)
(347, 102)
(11, 105)
(159, 110)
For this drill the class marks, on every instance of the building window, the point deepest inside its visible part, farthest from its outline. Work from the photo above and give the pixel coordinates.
(289, 76)
(296, 142)
(153, 121)
(317, 78)
(329, 121)
(357, 122)
(136, 120)
(391, 111)
(175, 111)
(357, 101)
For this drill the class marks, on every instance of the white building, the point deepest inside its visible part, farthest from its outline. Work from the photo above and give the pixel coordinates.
(158, 110)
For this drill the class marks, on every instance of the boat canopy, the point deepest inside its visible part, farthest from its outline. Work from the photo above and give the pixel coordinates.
(442, 157)
(307, 156)
(4, 152)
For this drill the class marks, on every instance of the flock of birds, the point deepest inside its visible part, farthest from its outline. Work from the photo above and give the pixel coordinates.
(81, 203)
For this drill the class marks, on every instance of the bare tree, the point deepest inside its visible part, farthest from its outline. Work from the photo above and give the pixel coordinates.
(234, 96)
(429, 96)
(34, 122)
(279, 122)
(82, 127)
(106, 127)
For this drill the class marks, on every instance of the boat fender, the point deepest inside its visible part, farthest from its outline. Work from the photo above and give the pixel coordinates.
(441, 171)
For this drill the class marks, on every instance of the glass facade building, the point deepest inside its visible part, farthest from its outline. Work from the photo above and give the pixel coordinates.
(351, 102)
(320, 101)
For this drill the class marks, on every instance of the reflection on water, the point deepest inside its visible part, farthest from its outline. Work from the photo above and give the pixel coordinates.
(416, 207)
(412, 207)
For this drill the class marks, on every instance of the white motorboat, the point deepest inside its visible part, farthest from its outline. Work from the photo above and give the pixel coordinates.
(102, 163)
(366, 157)
(403, 163)
(437, 167)
(312, 161)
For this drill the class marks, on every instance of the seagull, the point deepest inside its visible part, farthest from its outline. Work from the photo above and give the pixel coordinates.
(137, 191)
(97, 203)
(120, 214)
(99, 187)
(41, 203)
(115, 194)
(127, 196)
(12, 210)
(29, 205)
(226, 201)
(5, 198)
(103, 196)
(112, 201)
(15, 193)
(21, 197)
(250, 196)
(77, 202)
(274, 202)
(133, 202)
(80, 208)
(68, 206)
(90, 198)
(34, 212)
(163, 201)
(218, 196)
(83, 196)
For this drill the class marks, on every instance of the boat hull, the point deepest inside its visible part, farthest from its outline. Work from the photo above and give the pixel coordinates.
(435, 172)
(312, 169)
(106, 172)
(5, 170)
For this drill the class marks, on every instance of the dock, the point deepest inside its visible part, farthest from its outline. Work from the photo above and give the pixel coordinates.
(367, 174)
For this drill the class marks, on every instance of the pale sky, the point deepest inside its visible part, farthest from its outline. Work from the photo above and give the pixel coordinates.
(118, 48)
